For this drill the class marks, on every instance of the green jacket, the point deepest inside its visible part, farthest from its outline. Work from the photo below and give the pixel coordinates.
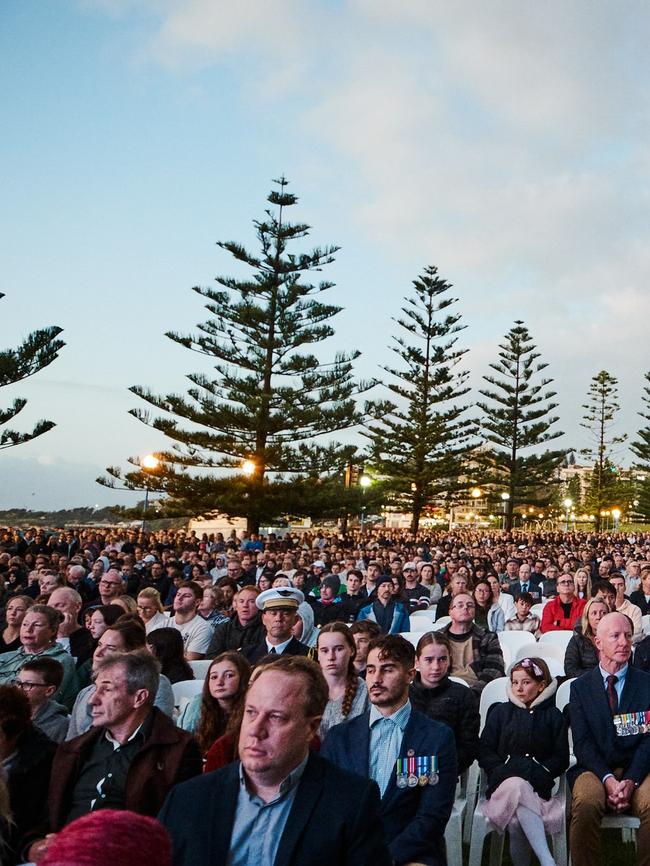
(11, 663)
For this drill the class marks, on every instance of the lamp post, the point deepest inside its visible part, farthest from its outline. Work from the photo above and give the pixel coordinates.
(364, 482)
(149, 463)
(616, 514)
(567, 508)
(504, 499)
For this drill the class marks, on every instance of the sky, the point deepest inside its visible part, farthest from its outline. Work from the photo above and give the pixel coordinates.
(506, 143)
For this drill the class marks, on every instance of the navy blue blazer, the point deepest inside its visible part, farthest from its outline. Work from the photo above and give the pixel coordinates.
(334, 820)
(414, 819)
(596, 746)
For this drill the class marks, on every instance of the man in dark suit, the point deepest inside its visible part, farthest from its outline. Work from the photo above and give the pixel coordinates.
(279, 607)
(611, 739)
(411, 757)
(279, 805)
(525, 583)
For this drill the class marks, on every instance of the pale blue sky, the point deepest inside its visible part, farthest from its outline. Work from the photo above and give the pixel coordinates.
(506, 143)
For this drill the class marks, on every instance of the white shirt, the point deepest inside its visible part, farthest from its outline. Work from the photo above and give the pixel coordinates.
(197, 634)
(158, 620)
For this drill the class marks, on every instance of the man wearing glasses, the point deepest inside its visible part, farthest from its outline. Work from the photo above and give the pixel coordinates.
(476, 655)
(562, 612)
(111, 586)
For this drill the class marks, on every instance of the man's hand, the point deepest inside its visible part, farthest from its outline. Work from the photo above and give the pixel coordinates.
(626, 789)
(611, 789)
(68, 625)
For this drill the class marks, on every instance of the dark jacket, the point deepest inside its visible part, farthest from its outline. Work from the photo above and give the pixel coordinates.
(580, 656)
(529, 742)
(414, 819)
(168, 756)
(488, 661)
(457, 707)
(642, 655)
(597, 746)
(28, 782)
(82, 645)
(254, 654)
(638, 598)
(234, 636)
(334, 819)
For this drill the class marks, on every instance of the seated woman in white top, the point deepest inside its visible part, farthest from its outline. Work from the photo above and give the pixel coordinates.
(150, 609)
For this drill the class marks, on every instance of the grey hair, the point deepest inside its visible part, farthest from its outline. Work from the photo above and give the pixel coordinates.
(77, 570)
(141, 670)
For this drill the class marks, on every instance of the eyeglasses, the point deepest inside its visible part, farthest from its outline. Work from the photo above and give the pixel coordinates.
(27, 686)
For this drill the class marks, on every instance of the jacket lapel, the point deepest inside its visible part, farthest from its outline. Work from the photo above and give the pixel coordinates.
(304, 804)
(224, 805)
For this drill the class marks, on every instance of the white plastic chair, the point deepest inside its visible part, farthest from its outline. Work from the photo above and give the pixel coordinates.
(412, 636)
(512, 640)
(454, 828)
(556, 638)
(420, 623)
(200, 668)
(441, 623)
(184, 691)
(429, 614)
(493, 693)
(537, 610)
(552, 655)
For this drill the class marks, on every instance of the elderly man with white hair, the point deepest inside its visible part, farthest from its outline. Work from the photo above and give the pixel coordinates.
(72, 636)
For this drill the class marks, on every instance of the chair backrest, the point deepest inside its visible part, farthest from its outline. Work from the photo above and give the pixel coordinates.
(412, 636)
(441, 623)
(512, 640)
(493, 693)
(563, 694)
(459, 681)
(200, 667)
(552, 655)
(556, 638)
(645, 621)
(185, 691)
(420, 623)
(429, 614)
(537, 610)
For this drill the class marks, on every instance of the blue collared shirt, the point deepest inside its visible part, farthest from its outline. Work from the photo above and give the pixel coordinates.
(386, 734)
(258, 826)
(621, 680)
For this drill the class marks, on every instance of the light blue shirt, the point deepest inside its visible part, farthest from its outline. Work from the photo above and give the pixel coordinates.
(386, 734)
(258, 826)
(621, 680)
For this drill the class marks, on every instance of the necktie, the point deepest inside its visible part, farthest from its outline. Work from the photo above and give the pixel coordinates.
(524, 587)
(611, 693)
(272, 652)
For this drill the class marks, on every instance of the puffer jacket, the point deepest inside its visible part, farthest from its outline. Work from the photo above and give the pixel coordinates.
(457, 707)
(580, 656)
(528, 742)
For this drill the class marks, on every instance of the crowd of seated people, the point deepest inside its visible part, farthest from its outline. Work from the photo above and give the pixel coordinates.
(312, 688)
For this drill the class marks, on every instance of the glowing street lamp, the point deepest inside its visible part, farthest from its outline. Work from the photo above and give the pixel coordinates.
(248, 468)
(149, 463)
(616, 514)
(505, 497)
(567, 508)
(364, 483)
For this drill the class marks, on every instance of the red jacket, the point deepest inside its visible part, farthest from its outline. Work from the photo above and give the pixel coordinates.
(168, 756)
(553, 618)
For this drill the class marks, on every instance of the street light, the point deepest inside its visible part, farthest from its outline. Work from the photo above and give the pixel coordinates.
(364, 484)
(616, 514)
(248, 468)
(567, 507)
(149, 463)
(504, 498)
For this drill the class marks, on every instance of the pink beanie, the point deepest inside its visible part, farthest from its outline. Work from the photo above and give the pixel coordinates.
(110, 837)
